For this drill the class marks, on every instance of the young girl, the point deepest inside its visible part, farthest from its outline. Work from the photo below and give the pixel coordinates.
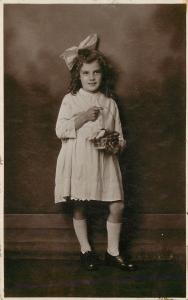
(87, 169)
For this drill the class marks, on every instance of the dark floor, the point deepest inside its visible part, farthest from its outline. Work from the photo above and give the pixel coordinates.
(57, 278)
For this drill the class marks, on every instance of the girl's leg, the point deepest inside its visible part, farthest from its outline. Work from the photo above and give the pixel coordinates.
(80, 226)
(114, 224)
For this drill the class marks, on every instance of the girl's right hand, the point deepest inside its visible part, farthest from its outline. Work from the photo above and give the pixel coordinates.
(92, 113)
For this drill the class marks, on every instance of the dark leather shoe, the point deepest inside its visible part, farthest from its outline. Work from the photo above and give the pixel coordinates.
(118, 262)
(89, 260)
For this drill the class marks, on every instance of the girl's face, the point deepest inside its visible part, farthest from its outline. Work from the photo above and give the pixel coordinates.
(91, 76)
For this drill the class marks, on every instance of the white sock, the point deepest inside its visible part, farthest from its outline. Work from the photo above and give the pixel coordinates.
(80, 227)
(113, 236)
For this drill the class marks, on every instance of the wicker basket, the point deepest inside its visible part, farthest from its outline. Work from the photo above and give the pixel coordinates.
(106, 143)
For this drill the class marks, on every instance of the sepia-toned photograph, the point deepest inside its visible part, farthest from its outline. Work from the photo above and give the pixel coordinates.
(94, 150)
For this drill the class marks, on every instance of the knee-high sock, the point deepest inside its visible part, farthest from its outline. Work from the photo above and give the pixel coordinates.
(80, 227)
(113, 237)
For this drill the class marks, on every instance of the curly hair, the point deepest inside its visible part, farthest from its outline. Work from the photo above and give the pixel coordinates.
(108, 73)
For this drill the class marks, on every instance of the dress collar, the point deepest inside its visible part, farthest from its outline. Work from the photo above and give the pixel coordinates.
(88, 94)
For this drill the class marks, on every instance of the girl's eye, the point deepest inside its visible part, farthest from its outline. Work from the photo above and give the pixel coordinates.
(97, 72)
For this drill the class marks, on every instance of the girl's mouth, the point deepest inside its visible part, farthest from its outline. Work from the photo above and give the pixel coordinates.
(92, 83)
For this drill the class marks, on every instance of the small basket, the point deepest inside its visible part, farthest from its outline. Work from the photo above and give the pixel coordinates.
(107, 141)
(104, 144)
(101, 143)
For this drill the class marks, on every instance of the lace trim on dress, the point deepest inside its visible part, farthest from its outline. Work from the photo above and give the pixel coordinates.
(74, 199)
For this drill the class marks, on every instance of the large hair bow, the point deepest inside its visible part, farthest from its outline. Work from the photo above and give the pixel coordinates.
(70, 54)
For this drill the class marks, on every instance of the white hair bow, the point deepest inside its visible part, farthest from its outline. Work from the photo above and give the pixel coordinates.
(70, 54)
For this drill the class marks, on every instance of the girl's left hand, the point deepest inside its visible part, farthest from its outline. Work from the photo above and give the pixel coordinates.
(113, 137)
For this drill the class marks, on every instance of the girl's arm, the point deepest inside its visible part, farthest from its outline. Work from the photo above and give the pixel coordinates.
(118, 128)
(80, 120)
(67, 124)
(90, 115)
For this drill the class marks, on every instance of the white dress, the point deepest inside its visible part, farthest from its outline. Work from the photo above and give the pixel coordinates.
(82, 171)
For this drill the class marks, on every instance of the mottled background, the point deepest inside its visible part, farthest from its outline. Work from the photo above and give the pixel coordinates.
(147, 45)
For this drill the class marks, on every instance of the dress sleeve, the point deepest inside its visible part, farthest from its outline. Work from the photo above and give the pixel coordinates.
(118, 128)
(65, 125)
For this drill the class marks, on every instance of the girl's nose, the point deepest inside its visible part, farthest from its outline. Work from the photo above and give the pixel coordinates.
(91, 77)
